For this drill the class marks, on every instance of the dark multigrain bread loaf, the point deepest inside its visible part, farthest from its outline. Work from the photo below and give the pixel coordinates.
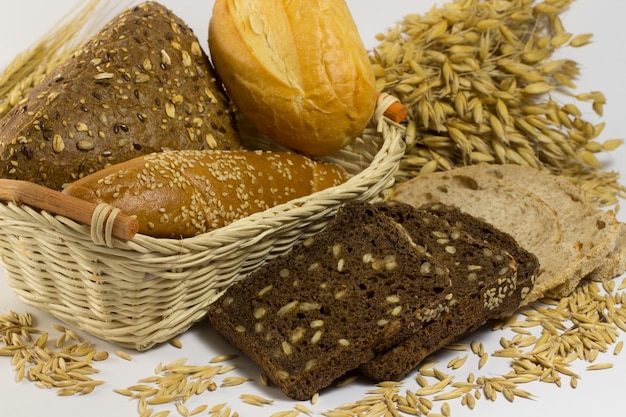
(490, 274)
(142, 84)
(356, 288)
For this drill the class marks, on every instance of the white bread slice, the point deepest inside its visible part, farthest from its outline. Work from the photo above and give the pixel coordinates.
(594, 230)
(615, 262)
(511, 208)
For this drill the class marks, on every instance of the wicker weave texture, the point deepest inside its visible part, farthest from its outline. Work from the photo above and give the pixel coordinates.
(145, 291)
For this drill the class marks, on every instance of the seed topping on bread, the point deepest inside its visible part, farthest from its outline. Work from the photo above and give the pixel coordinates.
(187, 192)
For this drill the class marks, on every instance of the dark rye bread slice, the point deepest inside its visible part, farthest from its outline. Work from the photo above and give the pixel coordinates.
(358, 287)
(142, 84)
(490, 272)
(529, 265)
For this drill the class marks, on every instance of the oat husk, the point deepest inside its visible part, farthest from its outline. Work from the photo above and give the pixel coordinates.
(65, 364)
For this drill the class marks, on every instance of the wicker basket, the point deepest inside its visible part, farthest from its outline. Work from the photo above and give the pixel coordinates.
(143, 291)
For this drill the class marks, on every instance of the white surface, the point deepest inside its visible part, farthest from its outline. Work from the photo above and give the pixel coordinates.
(23, 22)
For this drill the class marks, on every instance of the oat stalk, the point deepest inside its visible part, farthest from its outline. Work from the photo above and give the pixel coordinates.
(31, 66)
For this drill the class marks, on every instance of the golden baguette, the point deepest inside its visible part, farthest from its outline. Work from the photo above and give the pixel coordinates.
(184, 193)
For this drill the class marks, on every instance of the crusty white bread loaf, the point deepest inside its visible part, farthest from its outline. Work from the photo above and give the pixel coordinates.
(297, 70)
(508, 207)
(184, 193)
(593, 230)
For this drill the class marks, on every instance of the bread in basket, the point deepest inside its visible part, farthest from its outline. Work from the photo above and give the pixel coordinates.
(143, 291)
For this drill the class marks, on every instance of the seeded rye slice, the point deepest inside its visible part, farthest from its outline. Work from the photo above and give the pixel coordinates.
(142, 84)
(491, 274)
(508, 207)
(528, 264)
(357, 288)
(597, 232)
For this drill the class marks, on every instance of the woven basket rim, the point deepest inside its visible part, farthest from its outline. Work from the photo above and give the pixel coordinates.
(261, 222)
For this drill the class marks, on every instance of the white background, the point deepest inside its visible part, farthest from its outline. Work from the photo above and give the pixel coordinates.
(602, 64)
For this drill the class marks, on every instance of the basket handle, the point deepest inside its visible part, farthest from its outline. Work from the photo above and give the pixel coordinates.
(55, 202)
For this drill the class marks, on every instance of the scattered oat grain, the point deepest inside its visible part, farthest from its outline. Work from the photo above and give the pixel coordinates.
(176, 343)
(123, 355)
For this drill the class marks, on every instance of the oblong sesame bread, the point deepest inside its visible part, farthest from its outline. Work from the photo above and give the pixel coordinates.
(184, 193)
(141, 84)
(491, 274)
(509, 208)
(358, 287)
(593, 230)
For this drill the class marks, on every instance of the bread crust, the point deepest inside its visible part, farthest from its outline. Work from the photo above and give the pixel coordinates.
(297, 70)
